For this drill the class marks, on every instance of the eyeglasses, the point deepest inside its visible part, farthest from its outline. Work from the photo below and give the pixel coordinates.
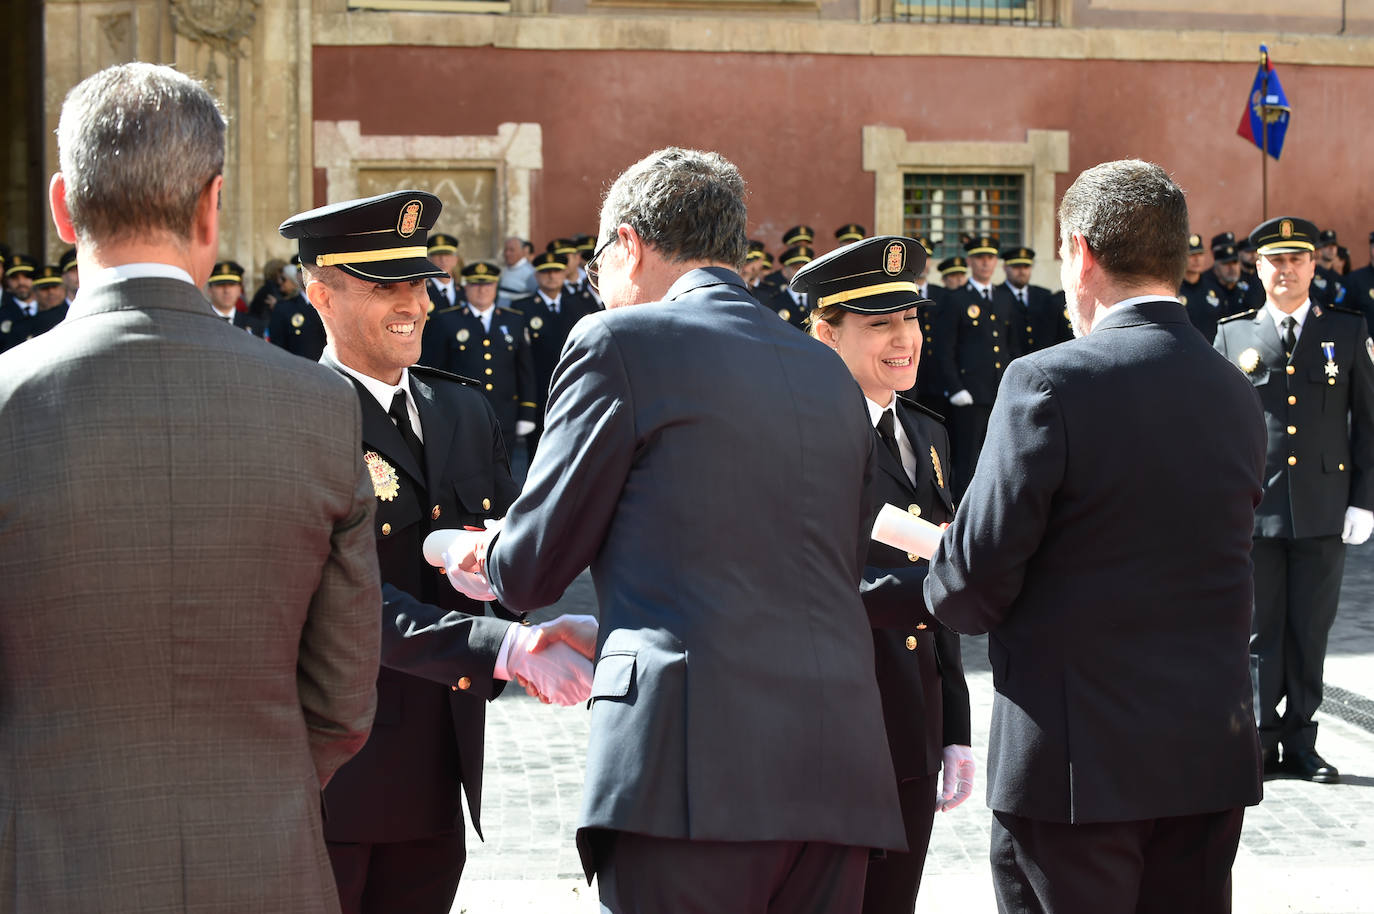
(593, 271)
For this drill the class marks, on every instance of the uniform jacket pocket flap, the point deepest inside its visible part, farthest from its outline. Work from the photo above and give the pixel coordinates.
(614, 675)
(476, 493)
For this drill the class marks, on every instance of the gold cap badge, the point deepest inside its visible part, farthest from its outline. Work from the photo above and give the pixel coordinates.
(896, 258)
(410, 218)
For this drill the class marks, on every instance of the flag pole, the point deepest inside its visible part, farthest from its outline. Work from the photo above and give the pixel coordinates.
(1264, 142)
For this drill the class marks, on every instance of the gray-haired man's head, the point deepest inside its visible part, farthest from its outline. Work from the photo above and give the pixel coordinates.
(686, 204)
(1134, 219)
(137, 145)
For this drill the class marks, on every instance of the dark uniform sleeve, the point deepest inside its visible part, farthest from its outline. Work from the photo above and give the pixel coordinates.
(1362, 422)
(530, 398)
(945, 323)
(958, 727)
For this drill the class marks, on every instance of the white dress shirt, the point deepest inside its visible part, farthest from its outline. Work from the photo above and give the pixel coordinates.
(123, 271)
(1298, 316)
(384, 393)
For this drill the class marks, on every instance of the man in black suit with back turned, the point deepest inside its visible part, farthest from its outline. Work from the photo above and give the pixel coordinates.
(1104, 546)
(1311, 366)
(434, 450)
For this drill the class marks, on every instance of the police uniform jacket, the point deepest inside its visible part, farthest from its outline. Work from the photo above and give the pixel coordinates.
(734, 696)
(258, 326)
(929, 390)
(296, 327)
(1327, 287)
(437, 300)
(1359, 292)
(788, 308)
(1314, 467)
(498, 358)
(974, 341)
(919, 667)
(14, 321)
(549, 331)
(1104, 545)
(438, 647)
(1040, 322)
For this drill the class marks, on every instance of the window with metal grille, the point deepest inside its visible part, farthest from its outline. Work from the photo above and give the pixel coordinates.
(947, 207)
(978, 12)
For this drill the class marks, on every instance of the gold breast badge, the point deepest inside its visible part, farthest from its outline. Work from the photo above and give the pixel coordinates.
(1248, 360)
(974, 311)
(384, 481)
(935, 462)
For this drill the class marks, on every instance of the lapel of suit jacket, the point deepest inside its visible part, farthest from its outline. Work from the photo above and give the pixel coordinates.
(379, 432)
(925, 462)
(436, 426)
(1267, 338)
(1309, 346)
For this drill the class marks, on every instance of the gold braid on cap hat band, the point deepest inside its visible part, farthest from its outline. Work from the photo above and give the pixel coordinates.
(865, 292)
(1269, 246)
(329, 260)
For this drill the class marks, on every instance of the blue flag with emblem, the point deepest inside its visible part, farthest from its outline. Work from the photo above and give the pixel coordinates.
(1265, 121)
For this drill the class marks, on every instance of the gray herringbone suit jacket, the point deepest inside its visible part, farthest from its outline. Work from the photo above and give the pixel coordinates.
(188, 611)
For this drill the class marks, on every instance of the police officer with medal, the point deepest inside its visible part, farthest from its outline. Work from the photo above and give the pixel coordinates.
(295, 325)
(867, 303)
(1038, 320)
(434, 452)
(1312, 365)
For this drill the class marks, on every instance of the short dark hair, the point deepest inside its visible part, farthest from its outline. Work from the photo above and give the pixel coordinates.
(686, 204)
(1134, 219)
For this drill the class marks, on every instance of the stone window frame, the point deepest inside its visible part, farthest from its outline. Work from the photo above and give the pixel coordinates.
(889, 155)
(514, 152)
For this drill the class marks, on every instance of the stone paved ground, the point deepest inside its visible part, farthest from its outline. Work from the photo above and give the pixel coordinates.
(1307, 849)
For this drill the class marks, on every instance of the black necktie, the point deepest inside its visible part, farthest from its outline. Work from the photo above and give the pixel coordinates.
(889, 438)
(1290, 340)
(401, 417)
(986, 293)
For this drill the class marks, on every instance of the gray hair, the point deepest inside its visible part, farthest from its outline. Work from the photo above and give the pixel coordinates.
(137, 144)
(686, 204)
(1134, 218)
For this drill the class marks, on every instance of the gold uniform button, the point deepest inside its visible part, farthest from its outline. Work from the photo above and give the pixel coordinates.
(996, 364)
(912, 557)
(1292, 461)
(1292, 400)
(994, 333)
(914, 510)
(464, 684)
(911, 642)
(920, 626)
(486, 504)
(486, 343)
(489, 387)
(1291, 370)
(996, 348)
(486, 356)
(1341, 467)
(386, 529)
(1331, 381)
(434, 515)
(1292, 429)
(488, 370)
(1028, 328)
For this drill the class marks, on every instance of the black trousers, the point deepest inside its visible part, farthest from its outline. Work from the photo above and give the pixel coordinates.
(1154, 866)
(639, 874)
(415, 877)
(1297, 590)
(968, 429)
(894, 880)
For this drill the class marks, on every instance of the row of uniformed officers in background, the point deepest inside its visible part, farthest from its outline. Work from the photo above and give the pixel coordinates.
(504, 326)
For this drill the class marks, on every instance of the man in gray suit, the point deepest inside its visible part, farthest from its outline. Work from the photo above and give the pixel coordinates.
(737, 758)
(189, 613)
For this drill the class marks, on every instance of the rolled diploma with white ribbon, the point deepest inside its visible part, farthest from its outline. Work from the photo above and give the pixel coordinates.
(907, 532)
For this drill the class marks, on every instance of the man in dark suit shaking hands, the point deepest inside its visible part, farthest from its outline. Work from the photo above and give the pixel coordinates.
(737, 760)
(1104, 546)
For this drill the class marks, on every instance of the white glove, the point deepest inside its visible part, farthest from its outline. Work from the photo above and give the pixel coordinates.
(523, 427)
(962, 398)
(446, 549)
(958, 776)
(1359, 523)
(556, 672)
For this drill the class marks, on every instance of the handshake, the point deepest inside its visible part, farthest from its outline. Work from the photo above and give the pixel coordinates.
(552, 661)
